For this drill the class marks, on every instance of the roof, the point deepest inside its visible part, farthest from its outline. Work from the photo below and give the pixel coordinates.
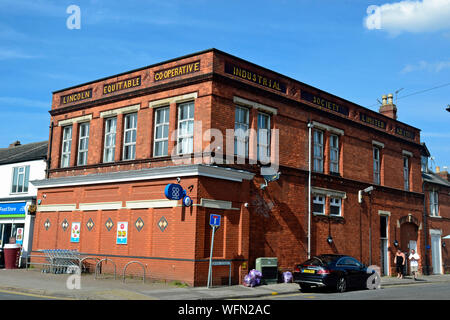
(25, 152)
(434, 178)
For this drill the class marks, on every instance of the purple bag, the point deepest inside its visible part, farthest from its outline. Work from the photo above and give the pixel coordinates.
(247, 280)
(287, 277)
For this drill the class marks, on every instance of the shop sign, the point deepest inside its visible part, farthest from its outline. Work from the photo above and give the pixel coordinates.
(324, 104)
(372, 121)
(13, 210)
(122, 85)
(76, 96)
(75, 232)
(255, 77)
(176, 71)
(174, 191)
(122, 233)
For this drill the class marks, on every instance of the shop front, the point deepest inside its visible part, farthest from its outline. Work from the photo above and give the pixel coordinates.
(15, 225)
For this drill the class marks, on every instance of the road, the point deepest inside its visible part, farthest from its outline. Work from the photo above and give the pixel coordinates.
(426, 291)
(15, 295)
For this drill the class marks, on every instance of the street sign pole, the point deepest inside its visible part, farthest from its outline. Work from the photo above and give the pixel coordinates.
(210, 257)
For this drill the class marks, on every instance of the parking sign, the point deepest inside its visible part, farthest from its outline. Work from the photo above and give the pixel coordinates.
(214, 220)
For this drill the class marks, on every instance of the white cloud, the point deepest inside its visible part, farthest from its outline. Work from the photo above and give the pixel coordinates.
(433, 67)
(409, 16)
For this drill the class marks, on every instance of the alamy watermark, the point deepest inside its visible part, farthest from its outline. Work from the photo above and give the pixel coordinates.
(74, 20)
(373, 19)
(73, 282)
(374, 280)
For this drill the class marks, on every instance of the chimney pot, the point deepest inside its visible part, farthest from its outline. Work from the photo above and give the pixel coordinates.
(438, 169)
(390, 98)
(384, 100)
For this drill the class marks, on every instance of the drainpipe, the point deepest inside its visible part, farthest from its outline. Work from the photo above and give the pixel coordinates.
(49, 152)
(310, 126)
(425, 231)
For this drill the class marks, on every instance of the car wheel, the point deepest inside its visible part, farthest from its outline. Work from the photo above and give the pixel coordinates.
(341, 284)
(305, 287)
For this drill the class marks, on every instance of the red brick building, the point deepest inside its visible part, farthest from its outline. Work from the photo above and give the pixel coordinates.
(436, 188)
(111, 147)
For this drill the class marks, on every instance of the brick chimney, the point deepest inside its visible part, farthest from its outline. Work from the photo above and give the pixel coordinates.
(443, 173)
(388, 108)
(14, 144)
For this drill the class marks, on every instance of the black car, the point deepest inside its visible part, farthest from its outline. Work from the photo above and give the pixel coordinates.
(337, 272)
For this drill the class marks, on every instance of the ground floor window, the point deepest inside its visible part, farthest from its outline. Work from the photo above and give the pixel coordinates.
(9, 232)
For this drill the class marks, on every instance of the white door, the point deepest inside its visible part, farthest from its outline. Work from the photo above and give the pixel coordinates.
(384, 257)
(412, 245)
(436, 254)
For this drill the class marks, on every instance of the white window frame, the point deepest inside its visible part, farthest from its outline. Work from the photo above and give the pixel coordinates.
(263, 146)
(406, 181)
(336, 202)
(316, 200)
(334, 152)
(434, 203)
(66, 144)
(164, 139)
(318, 150)
(110, 135)
(376, 156)
(241, 133)
(83, 140)
(127, 129)
(185, 140)
(22, 175)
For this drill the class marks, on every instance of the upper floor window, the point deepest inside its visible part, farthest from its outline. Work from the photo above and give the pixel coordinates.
(110, 139)
(334, 153)
(241, 124)
(263, 137)
(335, 206)
(130, 128)
(161, 140)
(20, 179)
(83, 143)
(185, 128)
(406, 172)
(319, 204)
(424, 163)
(434, 203)
(376, 165)
(66, 146)
(318, 151)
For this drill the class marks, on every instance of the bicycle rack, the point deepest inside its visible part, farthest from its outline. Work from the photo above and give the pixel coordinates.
(126, 266)
(86, 258)
(99, 264)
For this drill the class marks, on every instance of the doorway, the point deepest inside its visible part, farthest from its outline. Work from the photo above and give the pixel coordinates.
(384, 243)
(436, 253)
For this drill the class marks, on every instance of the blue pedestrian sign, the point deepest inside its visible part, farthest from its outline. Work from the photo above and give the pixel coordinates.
(187, 201)
(214, 220)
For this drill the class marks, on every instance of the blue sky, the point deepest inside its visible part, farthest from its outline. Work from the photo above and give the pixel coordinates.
(325, 43)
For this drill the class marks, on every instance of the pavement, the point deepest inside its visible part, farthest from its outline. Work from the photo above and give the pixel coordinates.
(62, 286)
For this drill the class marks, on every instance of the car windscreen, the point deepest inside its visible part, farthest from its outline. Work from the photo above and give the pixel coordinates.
(319, 261)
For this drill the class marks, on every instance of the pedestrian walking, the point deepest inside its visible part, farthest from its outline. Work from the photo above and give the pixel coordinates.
(399, 261)
(414, 263)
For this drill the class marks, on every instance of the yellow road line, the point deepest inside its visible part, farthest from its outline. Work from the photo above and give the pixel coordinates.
(33, 295)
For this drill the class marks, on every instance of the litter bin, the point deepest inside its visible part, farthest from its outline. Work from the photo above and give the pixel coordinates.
(11, 253)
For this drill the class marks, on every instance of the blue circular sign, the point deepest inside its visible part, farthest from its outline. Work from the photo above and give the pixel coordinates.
(174, 191)
(187, 201)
